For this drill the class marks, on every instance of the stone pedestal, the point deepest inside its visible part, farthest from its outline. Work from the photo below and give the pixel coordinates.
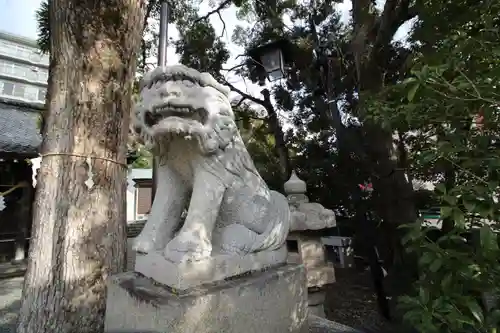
(185, 275)
(272, 301)
(316, 301)
(320, 272)
(311, 252)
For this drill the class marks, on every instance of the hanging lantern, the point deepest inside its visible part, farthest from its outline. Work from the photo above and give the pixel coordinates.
(272, 60)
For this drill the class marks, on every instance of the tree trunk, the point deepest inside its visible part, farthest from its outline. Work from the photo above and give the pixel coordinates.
(393, 190)
(79, 237)
(279, 136)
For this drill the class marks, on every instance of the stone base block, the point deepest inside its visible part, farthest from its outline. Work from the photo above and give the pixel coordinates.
(320, 276)
(272, 301)
(317, 310)
(322, 325)
(316, 300)
(181, 276)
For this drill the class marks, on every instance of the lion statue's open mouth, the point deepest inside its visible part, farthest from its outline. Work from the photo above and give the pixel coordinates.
(185, 119)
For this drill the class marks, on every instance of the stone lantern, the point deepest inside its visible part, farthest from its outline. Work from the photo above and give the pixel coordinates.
(308, 221)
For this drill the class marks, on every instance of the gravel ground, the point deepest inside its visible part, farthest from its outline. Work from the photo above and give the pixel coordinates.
(352, 302)
(10, 295)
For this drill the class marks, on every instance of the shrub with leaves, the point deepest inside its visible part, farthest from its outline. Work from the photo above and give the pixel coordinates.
(448, 110)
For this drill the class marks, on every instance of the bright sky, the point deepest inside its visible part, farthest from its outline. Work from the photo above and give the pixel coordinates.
(18, 17)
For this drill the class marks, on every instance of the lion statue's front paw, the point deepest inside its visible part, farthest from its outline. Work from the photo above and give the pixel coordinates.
(187, 247)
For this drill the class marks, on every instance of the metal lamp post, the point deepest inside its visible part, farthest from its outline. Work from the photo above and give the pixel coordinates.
(162, 61)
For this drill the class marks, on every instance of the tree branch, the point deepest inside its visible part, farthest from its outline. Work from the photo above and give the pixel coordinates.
(375, 31)
(245, 95)
(249, 117)
(232, 68)
(237, 105)
(149, 9)
(391, 19)
(217, 10)
(223, 24)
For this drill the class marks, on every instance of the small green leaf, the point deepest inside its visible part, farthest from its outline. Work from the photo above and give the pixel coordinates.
(426, 259)
(469, 205)
(436, 265)
(446, 281)
(413, 91)
(446, 212)
(441, 188)
(412, 317)
(488, 238)
(458, 217)
(409, 80)
(476, 310)
(494, 317)
(423, 295)
(450, 199)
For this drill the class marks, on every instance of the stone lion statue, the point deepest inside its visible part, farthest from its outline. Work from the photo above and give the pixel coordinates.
(205, 168)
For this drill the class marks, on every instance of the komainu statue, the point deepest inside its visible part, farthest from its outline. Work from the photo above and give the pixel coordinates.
(205, 168)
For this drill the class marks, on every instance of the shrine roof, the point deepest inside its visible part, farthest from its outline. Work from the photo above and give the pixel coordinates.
(19, 132)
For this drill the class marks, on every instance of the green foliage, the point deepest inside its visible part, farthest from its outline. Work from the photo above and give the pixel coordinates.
(455, 271)
(142, 158)
(42, 19)
(260, 144)
(200, 48)
(448, 106)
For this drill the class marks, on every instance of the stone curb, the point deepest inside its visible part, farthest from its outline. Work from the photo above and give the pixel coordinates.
(12, 272)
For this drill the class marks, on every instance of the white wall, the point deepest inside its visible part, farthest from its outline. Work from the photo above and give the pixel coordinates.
(134, 174)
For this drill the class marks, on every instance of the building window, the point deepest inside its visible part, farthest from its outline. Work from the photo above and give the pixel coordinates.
(20, 71)
(31, 93)
(8, 88)
(24, 91)
(7, 48)
(43, 75)
(23, 52)
(35, 57)
(41, 94)
(7, 67)
(31, 73)
(19, 90)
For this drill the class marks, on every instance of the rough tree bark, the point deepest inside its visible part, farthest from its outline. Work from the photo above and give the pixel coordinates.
(79, 235)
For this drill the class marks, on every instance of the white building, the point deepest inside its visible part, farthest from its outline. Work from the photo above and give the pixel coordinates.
(23, 70)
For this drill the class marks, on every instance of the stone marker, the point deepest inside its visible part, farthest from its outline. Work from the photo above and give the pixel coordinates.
(224, 267)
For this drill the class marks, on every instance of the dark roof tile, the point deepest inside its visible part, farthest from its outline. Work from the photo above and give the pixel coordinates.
(19, 131)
